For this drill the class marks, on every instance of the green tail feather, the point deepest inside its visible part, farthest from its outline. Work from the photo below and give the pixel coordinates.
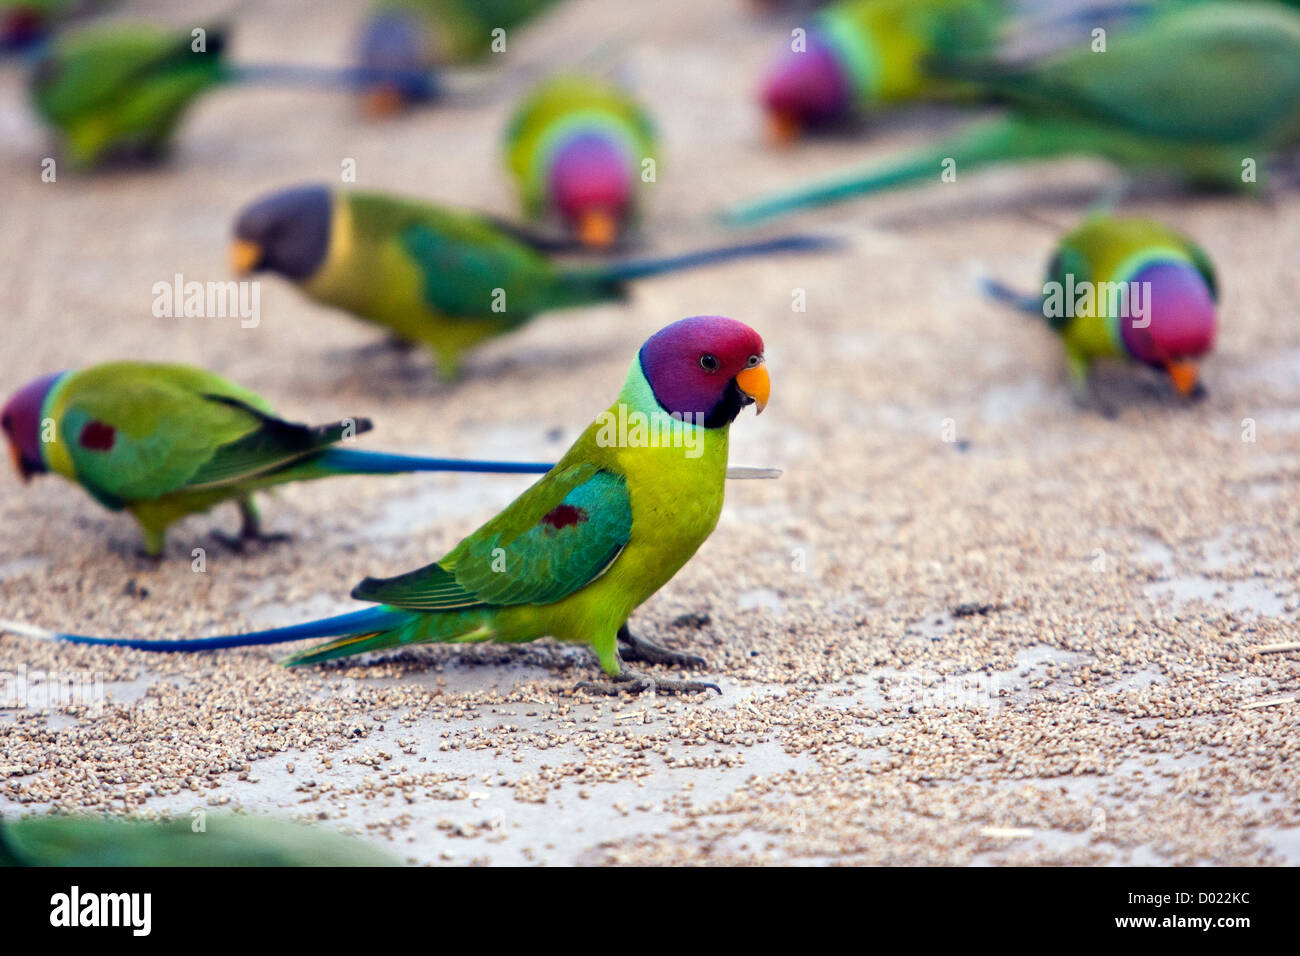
(995, 140)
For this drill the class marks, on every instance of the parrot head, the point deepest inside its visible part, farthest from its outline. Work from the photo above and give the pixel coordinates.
(394, 41)
(21, 421)
(286, 232)
(591, 187)
(708, 367)
(805, 90)
(1179, 325)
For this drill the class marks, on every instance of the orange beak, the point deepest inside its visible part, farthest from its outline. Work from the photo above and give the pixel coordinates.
(755, 383)
(17, 459)
(597, 228)
(1184, 376)
(382, 102)
(244, 256)
(782, 128)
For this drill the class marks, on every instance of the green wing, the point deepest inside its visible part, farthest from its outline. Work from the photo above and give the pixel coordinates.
(114, 86)
(1068, 260)
(555, 539)
(134, 432)
(1215, 72)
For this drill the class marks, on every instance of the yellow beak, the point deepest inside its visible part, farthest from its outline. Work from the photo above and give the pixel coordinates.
(597, 229)
(1184, 376)
(755, 383)
(782, 128)
(244, 256)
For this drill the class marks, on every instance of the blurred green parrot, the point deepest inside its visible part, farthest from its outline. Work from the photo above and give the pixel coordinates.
(444, 278)
(1127, 289)
(577, 147)
(222, 840)
(166, 441)
(1208, 90)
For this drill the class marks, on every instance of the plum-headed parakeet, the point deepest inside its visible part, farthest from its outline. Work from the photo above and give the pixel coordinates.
(445, 278)
(166, 441)
(860, 55)
(1208, 91)
(1132, 290)
(121, 90)
(574, 555)
(576, 148)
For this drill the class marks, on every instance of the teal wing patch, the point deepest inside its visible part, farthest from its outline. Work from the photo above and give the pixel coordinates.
(1068, 262)
(558, 537)
(468, 277)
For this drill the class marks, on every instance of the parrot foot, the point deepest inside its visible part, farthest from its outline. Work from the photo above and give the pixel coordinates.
(238, 543)
(633, 682)
(639, 649)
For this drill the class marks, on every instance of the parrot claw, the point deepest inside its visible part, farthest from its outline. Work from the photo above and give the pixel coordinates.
(632, 682)
(240, 542)
(639, 649)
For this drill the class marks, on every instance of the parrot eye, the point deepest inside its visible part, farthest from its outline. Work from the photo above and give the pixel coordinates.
(753, 361)
(709, 362)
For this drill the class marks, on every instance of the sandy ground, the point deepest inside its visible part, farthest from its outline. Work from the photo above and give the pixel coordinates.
(1103, 704)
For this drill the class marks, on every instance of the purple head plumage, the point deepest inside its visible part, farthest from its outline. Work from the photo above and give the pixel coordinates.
(1179, 323)
(591, 183)
(20, 420)
(807, 88)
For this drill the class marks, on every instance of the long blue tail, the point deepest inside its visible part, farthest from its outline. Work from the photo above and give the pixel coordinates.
(1026, 302)
(415, 85)
(641, 268)
(355, 462)
(358, 622)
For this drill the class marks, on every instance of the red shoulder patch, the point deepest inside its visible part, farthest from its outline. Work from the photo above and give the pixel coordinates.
(97, 436)
(562, 516)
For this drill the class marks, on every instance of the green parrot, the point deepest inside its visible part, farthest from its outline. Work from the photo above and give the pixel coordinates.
(166, 441)
(1127, 289)
(463, 29)
(444, 278)
(574, 555)
(860, 55)
(576, 148)
(222, 840)
(1207, 90)
(122, 89)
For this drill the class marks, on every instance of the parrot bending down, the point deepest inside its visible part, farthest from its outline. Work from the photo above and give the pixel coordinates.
(226, 840)
(576, 148)
(166, 441)
(441, 277)
(574, 555)
(859, 55)
(1198, 90)
(1127, 289)
(121, 90)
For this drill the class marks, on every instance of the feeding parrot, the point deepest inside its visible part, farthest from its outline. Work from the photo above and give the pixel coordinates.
(1198, 89)
(166, 441)
(1169, 327)
(859, 55)
(225, 840)
(576, 148)
(120, 90)
(574, 555)
(430, 274)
